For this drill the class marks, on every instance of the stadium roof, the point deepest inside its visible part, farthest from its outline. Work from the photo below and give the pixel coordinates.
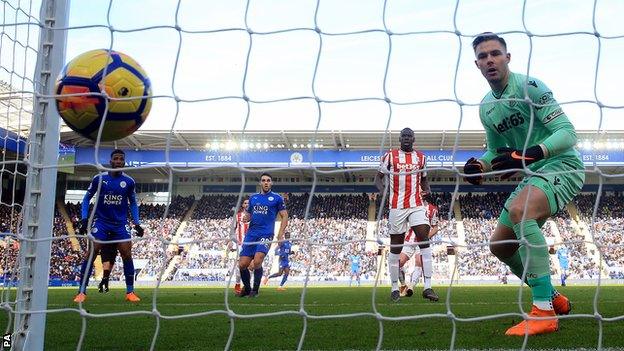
(299, 139)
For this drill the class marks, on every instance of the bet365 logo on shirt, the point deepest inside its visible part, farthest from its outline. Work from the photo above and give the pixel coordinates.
(509, 122)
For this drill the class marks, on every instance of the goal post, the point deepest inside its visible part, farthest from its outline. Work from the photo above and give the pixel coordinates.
(41, 161)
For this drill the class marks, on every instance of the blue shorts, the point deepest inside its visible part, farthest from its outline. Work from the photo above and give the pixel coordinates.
(284, 264)
(355, 270)
(250, 250)
(565, 267)
(107, 231)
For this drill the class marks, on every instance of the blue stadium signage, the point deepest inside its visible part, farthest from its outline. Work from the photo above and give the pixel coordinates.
(305, 158)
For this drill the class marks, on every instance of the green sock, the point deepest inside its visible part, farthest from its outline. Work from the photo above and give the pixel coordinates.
(535, 259)
(515, 264)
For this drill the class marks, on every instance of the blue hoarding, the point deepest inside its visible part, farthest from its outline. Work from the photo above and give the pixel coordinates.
(304, 158)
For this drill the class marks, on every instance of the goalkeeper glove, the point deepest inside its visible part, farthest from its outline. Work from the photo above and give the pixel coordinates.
(473, 166)
(509, 158)
(83, 226)
(139, 230)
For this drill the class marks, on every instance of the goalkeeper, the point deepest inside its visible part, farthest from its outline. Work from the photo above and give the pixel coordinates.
(507, 119)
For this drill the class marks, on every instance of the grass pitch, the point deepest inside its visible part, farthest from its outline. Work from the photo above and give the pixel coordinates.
(283, 331)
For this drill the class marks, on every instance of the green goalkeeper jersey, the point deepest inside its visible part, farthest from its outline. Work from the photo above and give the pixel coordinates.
(506, 122)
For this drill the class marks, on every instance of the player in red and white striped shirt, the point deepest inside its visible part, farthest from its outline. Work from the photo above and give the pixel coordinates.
(405, 169)
(241, 229)
(410, 262)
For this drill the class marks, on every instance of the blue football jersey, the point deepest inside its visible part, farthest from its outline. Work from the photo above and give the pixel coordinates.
(116, 194)
(284, 250)
(264, 209)
(562, 255)
(355, 262)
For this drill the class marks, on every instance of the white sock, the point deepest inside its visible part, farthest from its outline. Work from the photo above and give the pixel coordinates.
(416, 275)
(427, 258)
(543, 305)
(393, 270)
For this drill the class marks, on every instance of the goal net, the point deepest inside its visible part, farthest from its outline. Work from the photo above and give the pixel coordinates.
(237, 73)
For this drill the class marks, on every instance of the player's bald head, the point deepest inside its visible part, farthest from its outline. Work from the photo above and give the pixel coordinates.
(487, 36)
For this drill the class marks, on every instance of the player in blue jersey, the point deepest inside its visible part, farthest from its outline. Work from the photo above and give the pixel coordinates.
(264, 207)
(283, 250)
(564, 263)
(116, 194)
(355, 269)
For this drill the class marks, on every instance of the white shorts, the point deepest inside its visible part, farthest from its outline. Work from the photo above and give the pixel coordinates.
(410, 249)
(400, 220)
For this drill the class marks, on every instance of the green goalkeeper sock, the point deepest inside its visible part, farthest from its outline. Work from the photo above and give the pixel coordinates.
(517, 268)
(515, 264)
(536, 261)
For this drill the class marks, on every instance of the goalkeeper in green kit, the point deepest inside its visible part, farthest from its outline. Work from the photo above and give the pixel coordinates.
(550, 149)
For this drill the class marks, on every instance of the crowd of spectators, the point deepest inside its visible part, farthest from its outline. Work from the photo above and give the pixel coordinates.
(611, 205)
(476, 259)
(486, 206)
(335, 229)
(582, 265)
(328, 206)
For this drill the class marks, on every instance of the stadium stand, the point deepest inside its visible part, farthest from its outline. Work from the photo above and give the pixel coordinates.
(202, 254)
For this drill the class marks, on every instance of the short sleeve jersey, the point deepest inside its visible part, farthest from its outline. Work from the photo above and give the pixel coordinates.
(264, 209)
(115, 194)
(405, 182)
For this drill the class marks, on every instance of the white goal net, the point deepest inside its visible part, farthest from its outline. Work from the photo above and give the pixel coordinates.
(232, 71)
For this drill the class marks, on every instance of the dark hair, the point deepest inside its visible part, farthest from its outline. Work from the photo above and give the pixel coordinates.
(406, 129)
(486, 36)
(117, 151)
(266, 174)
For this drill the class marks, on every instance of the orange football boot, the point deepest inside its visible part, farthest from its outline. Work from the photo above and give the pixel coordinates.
(132, 297)
(80, 297)
(561, 304)
(536, 326)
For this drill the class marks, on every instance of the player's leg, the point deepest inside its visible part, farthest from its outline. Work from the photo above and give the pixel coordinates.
(534, 256)
(86, 269)
(393, 263)
(408, 269)
(244, 261)
(286, 271)
(420, 225)
(279, 273)
(403, 259)
(417, 269)
(398, 225)
(243, 268)
(125, 251)
(257, 262)
(426, 253)
(108, 253)
(546, 193)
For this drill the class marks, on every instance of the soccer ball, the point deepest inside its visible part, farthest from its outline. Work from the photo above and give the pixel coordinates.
(125, 79)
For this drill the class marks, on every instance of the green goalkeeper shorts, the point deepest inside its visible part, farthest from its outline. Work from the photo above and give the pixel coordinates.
(559, 188)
